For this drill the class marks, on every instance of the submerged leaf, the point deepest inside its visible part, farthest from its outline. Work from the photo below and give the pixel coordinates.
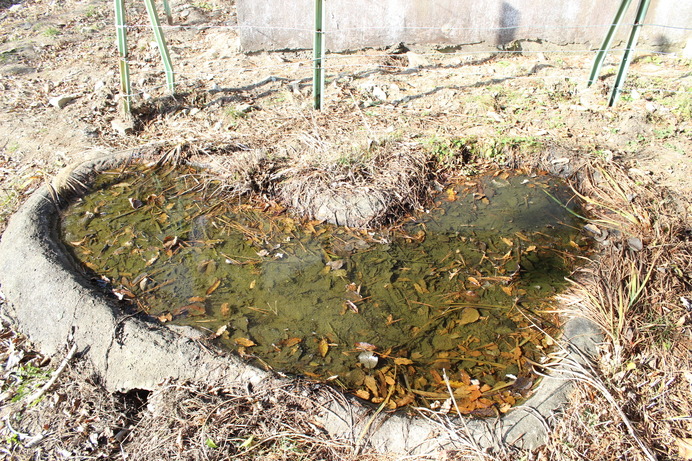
(469, 315)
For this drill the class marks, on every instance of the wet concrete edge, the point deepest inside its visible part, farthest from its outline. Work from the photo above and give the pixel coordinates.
(53, 304)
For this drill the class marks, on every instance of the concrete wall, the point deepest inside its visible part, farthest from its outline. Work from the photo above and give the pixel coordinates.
(356, 24)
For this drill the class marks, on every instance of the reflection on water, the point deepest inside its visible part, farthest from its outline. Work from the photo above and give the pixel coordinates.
(452, 296)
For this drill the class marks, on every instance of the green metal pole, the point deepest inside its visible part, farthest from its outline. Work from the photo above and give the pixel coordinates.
(120, 32)
(167, 10)
(161, 42)
(605, 46)
(318, 73)
(627, 57)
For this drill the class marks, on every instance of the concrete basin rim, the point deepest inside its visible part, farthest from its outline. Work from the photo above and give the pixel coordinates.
(43, 289)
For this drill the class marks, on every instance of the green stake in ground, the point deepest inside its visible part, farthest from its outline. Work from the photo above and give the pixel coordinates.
(120, 30)
(631, 44)
(318, 75)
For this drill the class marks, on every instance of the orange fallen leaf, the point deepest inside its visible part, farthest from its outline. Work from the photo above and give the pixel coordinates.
(474, 281)
(323, 347)
(167, 317)
(245, 342)
(197, 299)
(402, 361)
(290, 342)
(213, 287)
(225, 309)
(405, 400)
(363, 394)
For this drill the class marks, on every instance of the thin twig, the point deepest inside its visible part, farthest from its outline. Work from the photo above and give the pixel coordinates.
(38, 394)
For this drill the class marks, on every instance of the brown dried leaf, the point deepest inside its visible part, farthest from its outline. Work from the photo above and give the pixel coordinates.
(371, 384)
(225, 309)
(402, 361)
(190, 309)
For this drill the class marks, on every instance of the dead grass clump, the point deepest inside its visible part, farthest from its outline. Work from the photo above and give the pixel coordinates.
(635, 292)
(201, 421)
(76, 417)
(367, 188)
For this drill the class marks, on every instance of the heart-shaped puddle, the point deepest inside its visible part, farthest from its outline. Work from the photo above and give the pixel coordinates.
(457, 298)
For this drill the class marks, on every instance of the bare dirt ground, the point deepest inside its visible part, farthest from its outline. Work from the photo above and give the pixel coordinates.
(59, 100)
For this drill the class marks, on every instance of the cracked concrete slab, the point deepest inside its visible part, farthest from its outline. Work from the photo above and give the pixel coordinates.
(53, 305)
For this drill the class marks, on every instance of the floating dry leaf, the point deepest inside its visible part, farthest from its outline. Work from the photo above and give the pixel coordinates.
(290, 342)
(323, 347)
(225, 309)
(402, 361)
(221, 330)
(213, 287)
(167, 317)
(245, 342)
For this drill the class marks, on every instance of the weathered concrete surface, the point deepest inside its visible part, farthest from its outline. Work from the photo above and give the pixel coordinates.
(53, 304)
(356, 24)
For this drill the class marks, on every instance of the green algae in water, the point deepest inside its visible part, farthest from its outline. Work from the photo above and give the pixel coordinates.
(454, 291)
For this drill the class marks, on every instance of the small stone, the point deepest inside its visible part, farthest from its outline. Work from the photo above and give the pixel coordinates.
(379, 93)
(416, 60)
(62, 100)
(635, 244)
(123, 127)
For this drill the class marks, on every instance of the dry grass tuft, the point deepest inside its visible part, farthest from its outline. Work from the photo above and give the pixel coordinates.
(376, 185)
(633, 290)
(202, 421)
